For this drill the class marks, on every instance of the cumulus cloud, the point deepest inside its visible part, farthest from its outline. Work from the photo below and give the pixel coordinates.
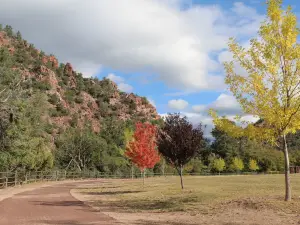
(87, 69)
(225, 105)
(178, 104)
(156, 36)
(120, 82)
(115, 78)
(199, 108)
(125, 87)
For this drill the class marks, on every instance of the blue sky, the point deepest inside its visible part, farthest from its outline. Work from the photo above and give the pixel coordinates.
(170, 51)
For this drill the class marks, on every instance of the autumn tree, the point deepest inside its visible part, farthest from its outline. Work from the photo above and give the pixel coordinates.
(142, 149)
(128, 136)
(253, 165)
(236, 164)
(270, 87)
(179, 141)
(218, 165)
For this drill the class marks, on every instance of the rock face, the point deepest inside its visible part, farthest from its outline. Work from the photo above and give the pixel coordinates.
(74, 100)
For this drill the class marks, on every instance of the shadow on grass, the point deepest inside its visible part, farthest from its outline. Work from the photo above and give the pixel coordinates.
(139, 205)
(59, 203)
(71, 222)
(59, 222)
(111, 192)
(147, 222)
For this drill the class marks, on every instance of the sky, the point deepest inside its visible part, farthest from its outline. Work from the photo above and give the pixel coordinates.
(170, 51)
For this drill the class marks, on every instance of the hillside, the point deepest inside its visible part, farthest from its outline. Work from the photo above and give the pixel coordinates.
(72, 98)
(48, 110)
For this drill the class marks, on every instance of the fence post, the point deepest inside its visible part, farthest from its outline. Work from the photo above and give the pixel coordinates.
(25, 178)
(65, 175)
(6, 180)
(16, 178)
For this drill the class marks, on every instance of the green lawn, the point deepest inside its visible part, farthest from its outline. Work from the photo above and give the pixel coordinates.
(201, 194)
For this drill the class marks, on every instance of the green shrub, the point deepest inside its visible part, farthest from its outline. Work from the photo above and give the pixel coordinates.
(236, 164)
(218, 165)
(49, 128)
(74, 120)
(145, 101)
(59, 110)
(70, 96)
(42, 85)
(53, 99)
(79, 99)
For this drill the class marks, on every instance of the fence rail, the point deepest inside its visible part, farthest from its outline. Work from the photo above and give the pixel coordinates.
(10, 179)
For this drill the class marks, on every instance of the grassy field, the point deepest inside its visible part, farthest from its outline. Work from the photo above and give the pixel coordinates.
(204, 195)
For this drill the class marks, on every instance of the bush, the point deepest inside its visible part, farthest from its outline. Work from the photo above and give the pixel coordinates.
(145, 101)
(74, 120)
(53, 99)
(132, 105)
(78, 99)
(49, 128)
(65, 80)
(236, 164)
(42, 85)
(59, 110)
(218, 165)
(253, 165)
(70, 96)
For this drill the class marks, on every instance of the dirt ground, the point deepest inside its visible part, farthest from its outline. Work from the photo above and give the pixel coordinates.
(243, 210)
(48, 204)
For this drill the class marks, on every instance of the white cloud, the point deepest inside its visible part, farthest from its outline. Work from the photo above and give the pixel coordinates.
(154, 35)
(225, 104)
(125, 87)
(199, 108)
(120, 82)
(87, 69)
(151, 101)
(178, 104)
(115, 78)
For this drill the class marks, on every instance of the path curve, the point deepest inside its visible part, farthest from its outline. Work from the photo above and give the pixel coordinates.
(51, 205)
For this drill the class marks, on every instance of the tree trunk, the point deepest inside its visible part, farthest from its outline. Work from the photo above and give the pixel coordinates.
(131, 171)
(288, 192)
(163, 167)
(144, 171)
(180, 174)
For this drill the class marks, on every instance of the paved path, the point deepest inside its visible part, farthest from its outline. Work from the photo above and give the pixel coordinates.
(51, 205)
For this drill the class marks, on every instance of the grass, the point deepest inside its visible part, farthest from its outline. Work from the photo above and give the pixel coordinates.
(201, 194)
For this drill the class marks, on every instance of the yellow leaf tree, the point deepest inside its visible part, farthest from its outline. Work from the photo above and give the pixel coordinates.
(270, 87)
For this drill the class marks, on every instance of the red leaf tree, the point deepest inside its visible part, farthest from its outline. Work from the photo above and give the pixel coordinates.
(142, 150)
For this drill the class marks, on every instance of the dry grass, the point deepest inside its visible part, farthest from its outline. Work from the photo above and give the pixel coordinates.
(250, 196)
(200, 193)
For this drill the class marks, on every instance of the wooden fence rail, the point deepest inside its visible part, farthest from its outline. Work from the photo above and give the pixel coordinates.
(10, 179)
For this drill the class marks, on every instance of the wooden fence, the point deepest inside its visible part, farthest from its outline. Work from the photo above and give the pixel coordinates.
(10, 179)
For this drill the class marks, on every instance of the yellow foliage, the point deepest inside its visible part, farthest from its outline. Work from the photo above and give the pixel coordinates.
(270, 89)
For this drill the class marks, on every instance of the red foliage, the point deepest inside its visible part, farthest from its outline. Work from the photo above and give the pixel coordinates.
(142, 150)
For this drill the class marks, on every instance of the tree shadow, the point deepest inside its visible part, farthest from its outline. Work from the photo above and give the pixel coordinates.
(133, 205)
(147, 222)
(60, 222)
(59, 203)
(70, 222)
(111, 192)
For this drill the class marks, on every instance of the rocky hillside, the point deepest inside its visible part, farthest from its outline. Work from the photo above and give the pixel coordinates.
(73, 100)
